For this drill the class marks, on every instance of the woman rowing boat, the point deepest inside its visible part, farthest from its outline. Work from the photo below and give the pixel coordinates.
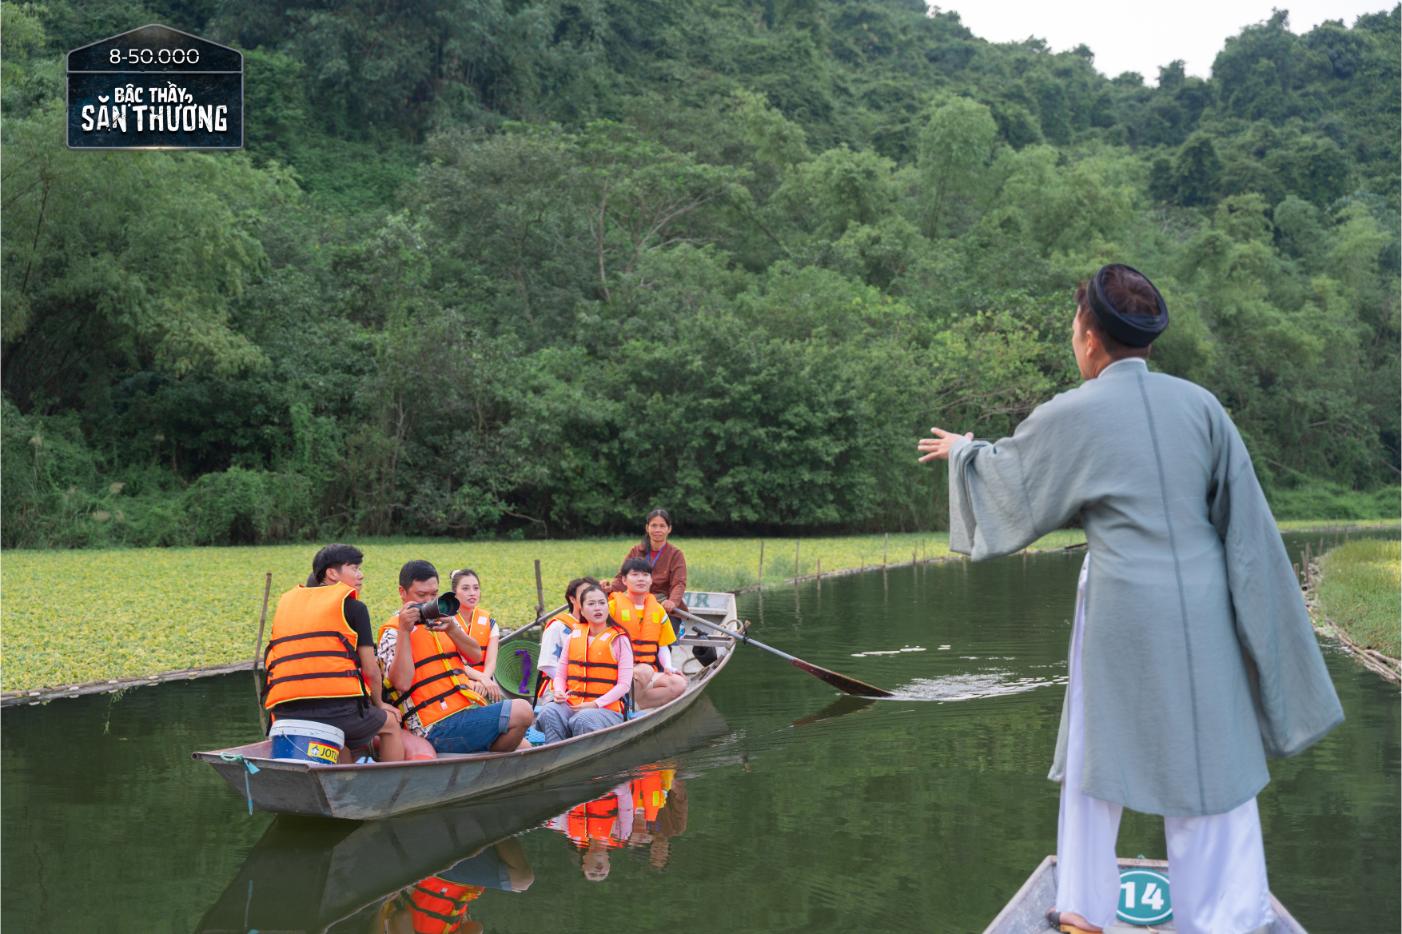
(665, 561)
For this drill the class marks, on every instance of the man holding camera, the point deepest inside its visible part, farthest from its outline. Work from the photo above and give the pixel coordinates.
(428, 682)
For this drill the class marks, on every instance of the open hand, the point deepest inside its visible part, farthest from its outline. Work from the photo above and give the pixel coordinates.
(937, 448)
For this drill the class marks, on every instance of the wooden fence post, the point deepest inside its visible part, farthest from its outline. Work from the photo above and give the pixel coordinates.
(258, 651)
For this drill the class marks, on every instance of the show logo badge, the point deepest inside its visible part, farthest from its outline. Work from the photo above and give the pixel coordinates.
(155, 88)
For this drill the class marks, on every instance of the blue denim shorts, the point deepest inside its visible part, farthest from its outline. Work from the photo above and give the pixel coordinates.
(471, 730)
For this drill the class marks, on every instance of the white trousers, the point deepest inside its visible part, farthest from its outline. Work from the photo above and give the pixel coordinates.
(1217, 863)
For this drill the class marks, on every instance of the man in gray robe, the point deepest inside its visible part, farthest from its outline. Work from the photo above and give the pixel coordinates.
(1193, 656)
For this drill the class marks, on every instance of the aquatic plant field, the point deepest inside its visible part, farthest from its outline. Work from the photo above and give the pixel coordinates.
(73, 617)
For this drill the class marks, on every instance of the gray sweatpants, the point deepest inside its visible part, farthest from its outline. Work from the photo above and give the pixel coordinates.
(560, 721)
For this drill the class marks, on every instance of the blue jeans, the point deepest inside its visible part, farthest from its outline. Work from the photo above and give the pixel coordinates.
(471, 730)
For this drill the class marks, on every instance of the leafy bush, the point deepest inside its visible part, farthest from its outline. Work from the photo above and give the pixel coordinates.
(1321, 499)
(246, 507)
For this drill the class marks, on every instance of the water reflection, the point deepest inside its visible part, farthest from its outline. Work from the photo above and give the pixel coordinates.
(646, 811)
(595, 827)
(315, 875)
(441, 903)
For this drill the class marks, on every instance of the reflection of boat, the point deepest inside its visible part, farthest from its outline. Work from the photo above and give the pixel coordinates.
(381, 789)
(1026, 912)
(312, 875)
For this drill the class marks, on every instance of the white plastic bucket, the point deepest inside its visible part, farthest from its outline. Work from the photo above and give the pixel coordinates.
(306, 741)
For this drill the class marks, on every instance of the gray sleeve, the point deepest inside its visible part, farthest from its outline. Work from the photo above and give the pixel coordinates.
(1296, 701)
(1004, 495)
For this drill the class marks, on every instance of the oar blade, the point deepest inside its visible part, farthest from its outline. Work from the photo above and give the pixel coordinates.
(843, 683)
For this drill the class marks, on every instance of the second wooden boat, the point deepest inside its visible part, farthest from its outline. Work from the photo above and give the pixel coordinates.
(1026, 912)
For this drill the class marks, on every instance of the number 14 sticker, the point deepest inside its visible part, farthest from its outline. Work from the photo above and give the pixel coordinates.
(1144, 897)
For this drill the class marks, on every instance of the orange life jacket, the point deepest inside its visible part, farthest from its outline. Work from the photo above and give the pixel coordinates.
(438, 906)
(644, 626)
(440, 688)
(543, 681)
(592, 670)
(478, 627)
(311, 652)
(650, 791)
(594, 821)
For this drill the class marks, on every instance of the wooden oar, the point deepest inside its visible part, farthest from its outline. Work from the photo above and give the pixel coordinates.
(529, 626)
(840, 681)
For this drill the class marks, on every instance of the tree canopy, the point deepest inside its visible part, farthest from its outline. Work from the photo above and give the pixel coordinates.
(535, 267)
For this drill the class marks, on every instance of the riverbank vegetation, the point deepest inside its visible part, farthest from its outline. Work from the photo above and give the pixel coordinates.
(531, 269)
(1359, 593)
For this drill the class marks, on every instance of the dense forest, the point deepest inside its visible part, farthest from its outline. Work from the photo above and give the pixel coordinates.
(530, 267)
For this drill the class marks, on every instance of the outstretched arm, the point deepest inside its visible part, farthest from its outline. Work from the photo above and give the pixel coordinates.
(938, 447)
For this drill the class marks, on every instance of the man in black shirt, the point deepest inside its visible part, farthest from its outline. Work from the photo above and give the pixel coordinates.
(362, 718)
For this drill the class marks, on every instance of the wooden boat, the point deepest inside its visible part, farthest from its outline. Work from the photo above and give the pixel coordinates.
(382, 789)
(317, 875)
(1026, 912)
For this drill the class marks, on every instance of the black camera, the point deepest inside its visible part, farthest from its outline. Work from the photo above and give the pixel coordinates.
(431, 610)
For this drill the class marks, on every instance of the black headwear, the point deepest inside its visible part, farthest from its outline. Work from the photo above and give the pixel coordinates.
(1130, 330)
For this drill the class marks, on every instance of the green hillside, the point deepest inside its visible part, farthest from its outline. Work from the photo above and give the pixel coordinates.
(533, 267)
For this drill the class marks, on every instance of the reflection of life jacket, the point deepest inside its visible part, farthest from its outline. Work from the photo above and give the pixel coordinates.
(644, 626)
(592, 670)
(440, 687)
(542, 680)
(311, 652)
(594, 821)
(650, 791)
(439, 906)
(479, 627)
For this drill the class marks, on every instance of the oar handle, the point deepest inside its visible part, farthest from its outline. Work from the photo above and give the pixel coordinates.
(712, 627)
(538, 620)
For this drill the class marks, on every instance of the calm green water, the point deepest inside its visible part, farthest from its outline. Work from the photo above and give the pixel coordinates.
(785, 812)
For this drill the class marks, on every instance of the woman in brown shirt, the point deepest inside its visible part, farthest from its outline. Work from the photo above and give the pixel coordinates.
(668, 562)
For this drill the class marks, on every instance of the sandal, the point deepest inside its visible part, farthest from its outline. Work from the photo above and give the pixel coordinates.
(1066, 927)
